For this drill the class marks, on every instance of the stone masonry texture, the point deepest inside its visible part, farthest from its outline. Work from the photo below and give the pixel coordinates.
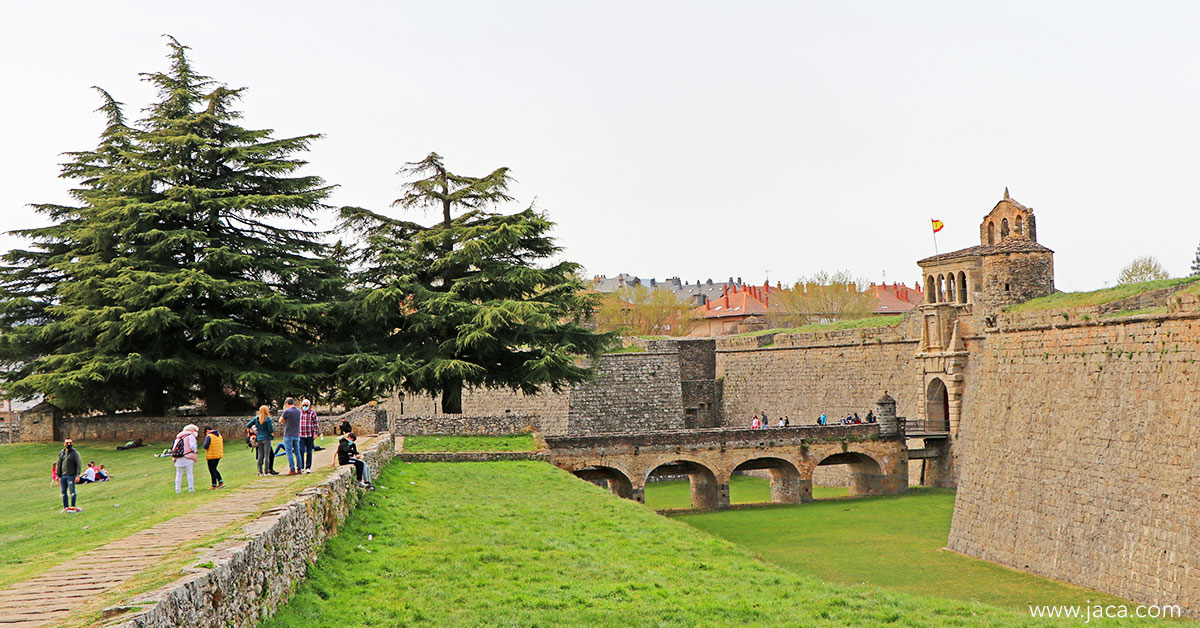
(1079, 454)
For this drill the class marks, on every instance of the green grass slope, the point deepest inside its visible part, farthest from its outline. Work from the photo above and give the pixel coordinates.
(894, 542)
(524, 544)
(35, 534)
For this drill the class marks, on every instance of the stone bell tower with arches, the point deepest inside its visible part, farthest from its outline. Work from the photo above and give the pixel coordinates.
(963, 288)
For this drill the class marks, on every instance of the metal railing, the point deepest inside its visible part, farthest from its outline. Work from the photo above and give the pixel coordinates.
(925, 426)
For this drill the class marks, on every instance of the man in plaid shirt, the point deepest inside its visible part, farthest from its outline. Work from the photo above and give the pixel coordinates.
(308, 430)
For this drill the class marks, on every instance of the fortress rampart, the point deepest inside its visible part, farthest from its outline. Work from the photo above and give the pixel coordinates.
(1071, 435)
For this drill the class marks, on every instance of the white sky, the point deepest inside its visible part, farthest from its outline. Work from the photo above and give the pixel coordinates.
(699, 139)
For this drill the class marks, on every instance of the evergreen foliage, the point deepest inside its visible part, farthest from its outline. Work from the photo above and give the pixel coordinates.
(172, 276)
(463, 302)
(1196, 262)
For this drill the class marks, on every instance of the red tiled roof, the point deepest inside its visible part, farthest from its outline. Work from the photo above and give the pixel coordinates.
(896, 298)
(740, 301)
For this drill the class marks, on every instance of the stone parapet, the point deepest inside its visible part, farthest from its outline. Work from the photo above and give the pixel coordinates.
(461, 424)
(471, 456)
(720, 436)
(252, 575)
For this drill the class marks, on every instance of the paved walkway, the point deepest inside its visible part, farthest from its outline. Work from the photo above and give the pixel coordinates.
(48, 598)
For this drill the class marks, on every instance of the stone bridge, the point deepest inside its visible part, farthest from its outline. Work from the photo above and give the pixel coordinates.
(709, 457)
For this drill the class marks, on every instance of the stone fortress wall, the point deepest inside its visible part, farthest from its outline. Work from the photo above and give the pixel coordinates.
(663, 387)
(1077, 451)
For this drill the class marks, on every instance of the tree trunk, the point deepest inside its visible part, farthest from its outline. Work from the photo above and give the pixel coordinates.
(452, 397)
(154, 402)
(214, 395)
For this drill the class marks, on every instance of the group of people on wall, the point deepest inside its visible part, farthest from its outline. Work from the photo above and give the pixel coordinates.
(849, 419)
(300, 426)
(760, 421)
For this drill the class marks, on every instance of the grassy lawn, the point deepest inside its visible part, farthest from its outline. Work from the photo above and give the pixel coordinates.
(514, 442)
(861, 323)
(743, 489)
(525, 544)
(892, 542)
(35, 534)
(1063, 300)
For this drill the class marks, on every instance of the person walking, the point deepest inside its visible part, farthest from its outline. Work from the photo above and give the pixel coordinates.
(214, 450)
(264, 431)
(309, 428)
(291, 435)
(184, 453)
(70, 463)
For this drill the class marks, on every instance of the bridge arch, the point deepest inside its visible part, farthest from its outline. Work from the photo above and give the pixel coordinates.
(710, 491)
(617, 481)
(866, 474)
(787, 484)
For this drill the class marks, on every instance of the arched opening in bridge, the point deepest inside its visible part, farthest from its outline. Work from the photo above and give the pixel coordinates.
(786, 486)
(865, 474)
(705, 492)
(937, 407)
(613, 479)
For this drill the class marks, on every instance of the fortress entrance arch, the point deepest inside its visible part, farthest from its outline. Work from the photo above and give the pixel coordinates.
(937, 406)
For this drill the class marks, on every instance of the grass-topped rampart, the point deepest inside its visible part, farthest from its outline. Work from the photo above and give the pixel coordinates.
(860, 323)
(1066, 300)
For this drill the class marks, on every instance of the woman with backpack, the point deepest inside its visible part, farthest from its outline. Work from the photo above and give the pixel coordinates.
(184, 453)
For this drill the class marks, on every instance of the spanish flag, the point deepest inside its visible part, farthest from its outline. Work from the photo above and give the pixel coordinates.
(937, 226)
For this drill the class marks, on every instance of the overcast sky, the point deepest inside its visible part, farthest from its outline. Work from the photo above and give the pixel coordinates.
(683, 138)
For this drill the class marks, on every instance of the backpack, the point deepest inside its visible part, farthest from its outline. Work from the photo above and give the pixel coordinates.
(177, 449)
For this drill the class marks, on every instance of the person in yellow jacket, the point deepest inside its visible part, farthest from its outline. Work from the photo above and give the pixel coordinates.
(214, 450)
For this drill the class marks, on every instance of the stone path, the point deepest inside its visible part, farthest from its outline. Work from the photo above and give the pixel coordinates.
(49, 597)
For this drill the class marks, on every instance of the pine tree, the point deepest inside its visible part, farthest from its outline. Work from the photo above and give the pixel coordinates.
(1196, 262)
(192, 282)
(56, 315)
(464, 302)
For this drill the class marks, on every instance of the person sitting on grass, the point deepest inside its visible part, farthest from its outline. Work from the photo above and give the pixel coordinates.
(102, 474)
(132, 444)
(89, 474)
(347, 453)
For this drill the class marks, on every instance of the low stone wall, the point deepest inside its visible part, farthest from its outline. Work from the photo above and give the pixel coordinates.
(254, 574)
(368, 419)
(149, 429)
(462, 424)
(471, 456)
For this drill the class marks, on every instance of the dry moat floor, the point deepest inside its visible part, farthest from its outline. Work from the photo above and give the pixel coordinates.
(525, 544)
